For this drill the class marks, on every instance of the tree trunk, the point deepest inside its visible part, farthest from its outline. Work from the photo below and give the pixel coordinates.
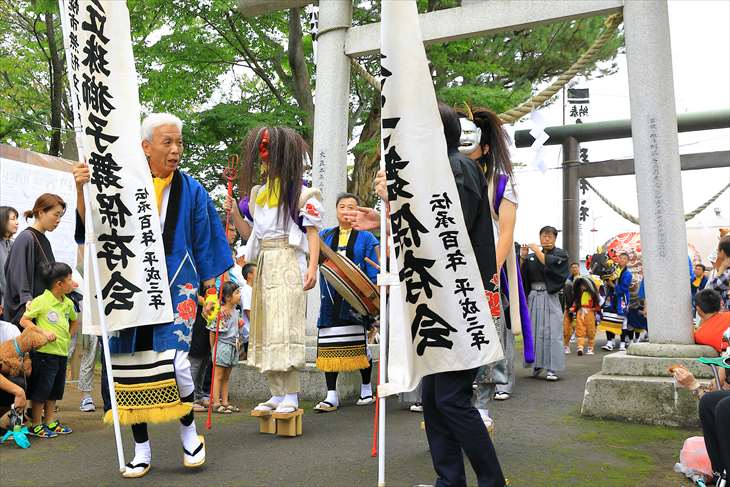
(57, 74)
(367, 162)
(300, 72)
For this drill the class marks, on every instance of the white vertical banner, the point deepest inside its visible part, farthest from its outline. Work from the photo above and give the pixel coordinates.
(439, 315)
(125, 224)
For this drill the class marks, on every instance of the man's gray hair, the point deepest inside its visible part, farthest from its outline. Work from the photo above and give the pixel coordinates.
(154, 120)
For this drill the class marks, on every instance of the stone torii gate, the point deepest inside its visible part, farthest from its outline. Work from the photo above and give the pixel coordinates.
(653, 122)
(571, 136)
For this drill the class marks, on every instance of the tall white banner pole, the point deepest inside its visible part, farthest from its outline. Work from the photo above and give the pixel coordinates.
(383, 278)
(90, 243)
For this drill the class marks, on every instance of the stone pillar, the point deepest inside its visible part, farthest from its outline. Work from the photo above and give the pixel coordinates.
(331, 110)
(658, 171)
(571, 237)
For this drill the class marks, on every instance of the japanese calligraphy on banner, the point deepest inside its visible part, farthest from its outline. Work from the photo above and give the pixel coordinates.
(439, 315)
(125, 223)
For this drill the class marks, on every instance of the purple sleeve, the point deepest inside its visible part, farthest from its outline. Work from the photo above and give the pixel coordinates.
(527, 339)
(243, 207)
(499, 191)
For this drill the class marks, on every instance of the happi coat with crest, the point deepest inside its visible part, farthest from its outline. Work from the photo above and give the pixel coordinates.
(196, 250)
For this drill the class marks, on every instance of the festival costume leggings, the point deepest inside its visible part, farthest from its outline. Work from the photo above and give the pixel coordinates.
(585, 327)
(715, 419)
(365, 374)
(282, 383)
(139, 430)
(184, 380)
(568, 320)
(626, 335)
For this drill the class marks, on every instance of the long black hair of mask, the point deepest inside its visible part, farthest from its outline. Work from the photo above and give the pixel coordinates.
(452, 127)
(287, 153)
(497, 159)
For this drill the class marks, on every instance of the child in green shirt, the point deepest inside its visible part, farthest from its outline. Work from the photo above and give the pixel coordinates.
(54, 314)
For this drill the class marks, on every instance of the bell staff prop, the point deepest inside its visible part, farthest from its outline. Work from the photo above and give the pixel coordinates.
(90, 244)
(230, 172)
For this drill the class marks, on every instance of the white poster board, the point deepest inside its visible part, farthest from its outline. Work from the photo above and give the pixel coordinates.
(22, 183)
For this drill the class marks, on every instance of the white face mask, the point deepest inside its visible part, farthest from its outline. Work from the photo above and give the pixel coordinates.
(470, 136)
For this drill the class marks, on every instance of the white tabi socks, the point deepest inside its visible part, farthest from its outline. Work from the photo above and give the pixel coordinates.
(140, 464)
(289, 404)
(189, 437)
(271, 404)
(333, 398)
(194, 455)
(366, 395)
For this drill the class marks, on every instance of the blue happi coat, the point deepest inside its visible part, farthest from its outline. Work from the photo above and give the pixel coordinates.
(618, 301)
(196, 250)
(334, 311)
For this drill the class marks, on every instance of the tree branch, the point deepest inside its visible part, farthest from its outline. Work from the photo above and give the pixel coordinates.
(56, 71)
(300, 72)
(260, 72)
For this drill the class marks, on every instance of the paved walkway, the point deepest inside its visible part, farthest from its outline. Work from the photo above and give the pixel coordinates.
(540, 440)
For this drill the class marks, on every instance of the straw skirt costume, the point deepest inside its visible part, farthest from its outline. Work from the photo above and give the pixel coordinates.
(278, 311)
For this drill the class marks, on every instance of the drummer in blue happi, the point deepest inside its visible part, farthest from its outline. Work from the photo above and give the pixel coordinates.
(342, 331)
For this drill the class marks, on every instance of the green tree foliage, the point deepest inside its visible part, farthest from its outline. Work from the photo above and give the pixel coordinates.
(224, 74)
(34, 105)
(496, 72)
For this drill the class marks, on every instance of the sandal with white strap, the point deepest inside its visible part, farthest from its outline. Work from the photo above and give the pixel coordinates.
(325, 407)
(286, 408)
(196, 459)
(135, 470)
(266, 406)
(365, 401)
